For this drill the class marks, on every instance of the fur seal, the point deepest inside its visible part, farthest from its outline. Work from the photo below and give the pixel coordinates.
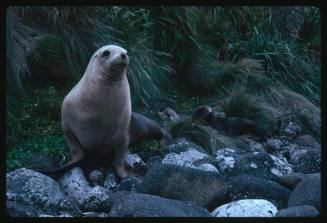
(97, 117)
(230, 125)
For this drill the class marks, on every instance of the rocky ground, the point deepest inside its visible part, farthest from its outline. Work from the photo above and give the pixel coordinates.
(277, 178)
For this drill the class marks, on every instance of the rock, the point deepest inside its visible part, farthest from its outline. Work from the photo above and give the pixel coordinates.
(226, 159)
(188, 159)
(289, 127)
(127, 184)
(21, 210)
(307, 192)
(298, 211)
(250, 187)
(246, 208)
(96, 177)
(135, 164)
(75, 185)
(37, 192)
(281, 166)
(258, 164)
(39, 161)
(291, 180)
(97, 199)
(153, 160)
(308, 162)
(110, 180)
(205, 188)
(93, 214)
(144, 205)
(307, 141)
(182, 146)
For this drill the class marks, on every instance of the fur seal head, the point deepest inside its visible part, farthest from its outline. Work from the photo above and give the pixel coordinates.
(109, 61)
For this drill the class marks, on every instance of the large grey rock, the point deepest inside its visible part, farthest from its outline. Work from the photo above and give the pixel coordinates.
(144, 205)
(110, 181)
(22, 210)
(35, 190)
(308, 162)
(307, 192)
(205, 188)
(246, 208)
(88, 198)
(75, 184)
(135, 164)
(190, 158)
(182, 146)
(298, 211)
(291, 180)
(258, 164)
(96, 177)
(97, 199)
(250, 187)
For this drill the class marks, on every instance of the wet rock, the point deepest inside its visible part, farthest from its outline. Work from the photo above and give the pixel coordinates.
(153, 160)
(226, 159)
(250, 187)
(188, 158)
(37, 191)
(307, 141)
(308, 162)
(97, 199)
(110, 180)
(183, 146)
(127, 184)
(307, 192)
(298, 211)
(246, 208)
(75, 185)
(96, 177)
(144, 205)
(135, 164)
(39, 161)
(291, 180)
(205, 188)
(21, 210)
(259, 164)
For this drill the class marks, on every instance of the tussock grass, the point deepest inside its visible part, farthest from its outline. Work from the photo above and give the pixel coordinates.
(199, 133)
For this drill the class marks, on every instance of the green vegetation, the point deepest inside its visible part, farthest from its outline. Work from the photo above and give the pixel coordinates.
(254, 62)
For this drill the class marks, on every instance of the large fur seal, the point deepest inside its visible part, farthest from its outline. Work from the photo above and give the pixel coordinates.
(96, 114)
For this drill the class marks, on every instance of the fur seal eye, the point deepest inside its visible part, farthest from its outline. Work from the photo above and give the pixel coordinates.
(106, 53)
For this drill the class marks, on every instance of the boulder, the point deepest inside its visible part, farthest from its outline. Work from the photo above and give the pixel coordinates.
(110, 181)
(291, 180)
(96, 177)
(205, 188)
(246, 208)
(258, 164)
(307, 192)
(190, 158)
(298, 211)
(308, 162)
(36, 192)
(251, 187)
(144, 205)
(88, 198)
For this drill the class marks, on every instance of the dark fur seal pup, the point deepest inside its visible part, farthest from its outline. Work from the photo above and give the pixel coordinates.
(96, 114)
(230, 125)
